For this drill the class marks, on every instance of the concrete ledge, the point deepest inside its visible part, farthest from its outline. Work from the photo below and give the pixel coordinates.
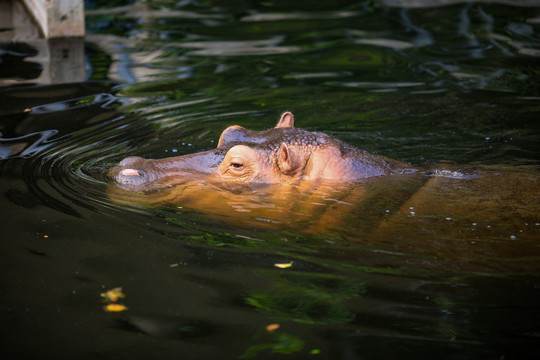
(58, 18)
(61, 60)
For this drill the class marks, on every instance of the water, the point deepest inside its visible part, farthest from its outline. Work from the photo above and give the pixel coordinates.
(453, 85)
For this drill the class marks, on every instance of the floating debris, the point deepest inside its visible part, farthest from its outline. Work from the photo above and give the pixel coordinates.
(283, 265)
(111, 297)
(115, 307)
(272, 327)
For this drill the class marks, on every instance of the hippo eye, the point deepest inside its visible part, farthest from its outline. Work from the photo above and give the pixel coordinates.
(237, 163)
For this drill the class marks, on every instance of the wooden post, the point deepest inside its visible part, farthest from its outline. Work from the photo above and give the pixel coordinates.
(58, 18)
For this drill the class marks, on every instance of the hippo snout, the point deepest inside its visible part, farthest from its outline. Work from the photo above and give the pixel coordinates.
(129, 172)
(132, 177)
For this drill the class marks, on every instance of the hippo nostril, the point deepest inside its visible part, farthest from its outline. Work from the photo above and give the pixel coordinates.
(133, 177)
(130, 172)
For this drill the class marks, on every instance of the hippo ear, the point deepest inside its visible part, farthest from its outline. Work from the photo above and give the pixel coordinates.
(289, 160)
(287, 120)
(234, 133)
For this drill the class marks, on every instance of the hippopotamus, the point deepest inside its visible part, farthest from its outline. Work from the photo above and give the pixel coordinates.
(283, 154)
(287, 177)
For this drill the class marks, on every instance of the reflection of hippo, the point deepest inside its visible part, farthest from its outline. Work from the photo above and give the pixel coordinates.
(281, 154)
(292, 178)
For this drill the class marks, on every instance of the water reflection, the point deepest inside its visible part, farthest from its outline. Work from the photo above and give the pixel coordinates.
(178, 52)
(25, 146)
(436, 3)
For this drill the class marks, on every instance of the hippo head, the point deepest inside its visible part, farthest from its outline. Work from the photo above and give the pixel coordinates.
(283, 154)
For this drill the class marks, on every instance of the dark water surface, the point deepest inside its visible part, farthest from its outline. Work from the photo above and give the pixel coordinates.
(456, 84)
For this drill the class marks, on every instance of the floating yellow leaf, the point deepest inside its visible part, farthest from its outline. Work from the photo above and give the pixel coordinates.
(113, 295)
(283, 265)
(272, 327)
(115, 307)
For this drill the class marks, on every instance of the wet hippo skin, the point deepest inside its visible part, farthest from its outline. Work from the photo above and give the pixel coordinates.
(290, 177)
(282, 154)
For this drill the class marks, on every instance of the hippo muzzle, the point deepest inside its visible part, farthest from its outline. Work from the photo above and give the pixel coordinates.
(137, 173)
(133, 172)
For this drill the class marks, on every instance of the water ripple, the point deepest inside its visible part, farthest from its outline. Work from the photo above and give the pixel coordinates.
(299, 16)
(25, 146)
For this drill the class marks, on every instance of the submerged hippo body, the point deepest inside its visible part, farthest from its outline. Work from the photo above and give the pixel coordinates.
(281, 176)
(289, 178)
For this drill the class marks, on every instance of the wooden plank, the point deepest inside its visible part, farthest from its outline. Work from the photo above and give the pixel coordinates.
(58, 18)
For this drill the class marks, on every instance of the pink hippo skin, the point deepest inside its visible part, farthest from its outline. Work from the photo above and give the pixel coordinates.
(262, 175)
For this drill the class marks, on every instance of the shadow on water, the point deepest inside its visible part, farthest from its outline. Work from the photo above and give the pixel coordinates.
(427, 267)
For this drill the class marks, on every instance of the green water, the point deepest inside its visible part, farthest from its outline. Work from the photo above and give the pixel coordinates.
(454, 84)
